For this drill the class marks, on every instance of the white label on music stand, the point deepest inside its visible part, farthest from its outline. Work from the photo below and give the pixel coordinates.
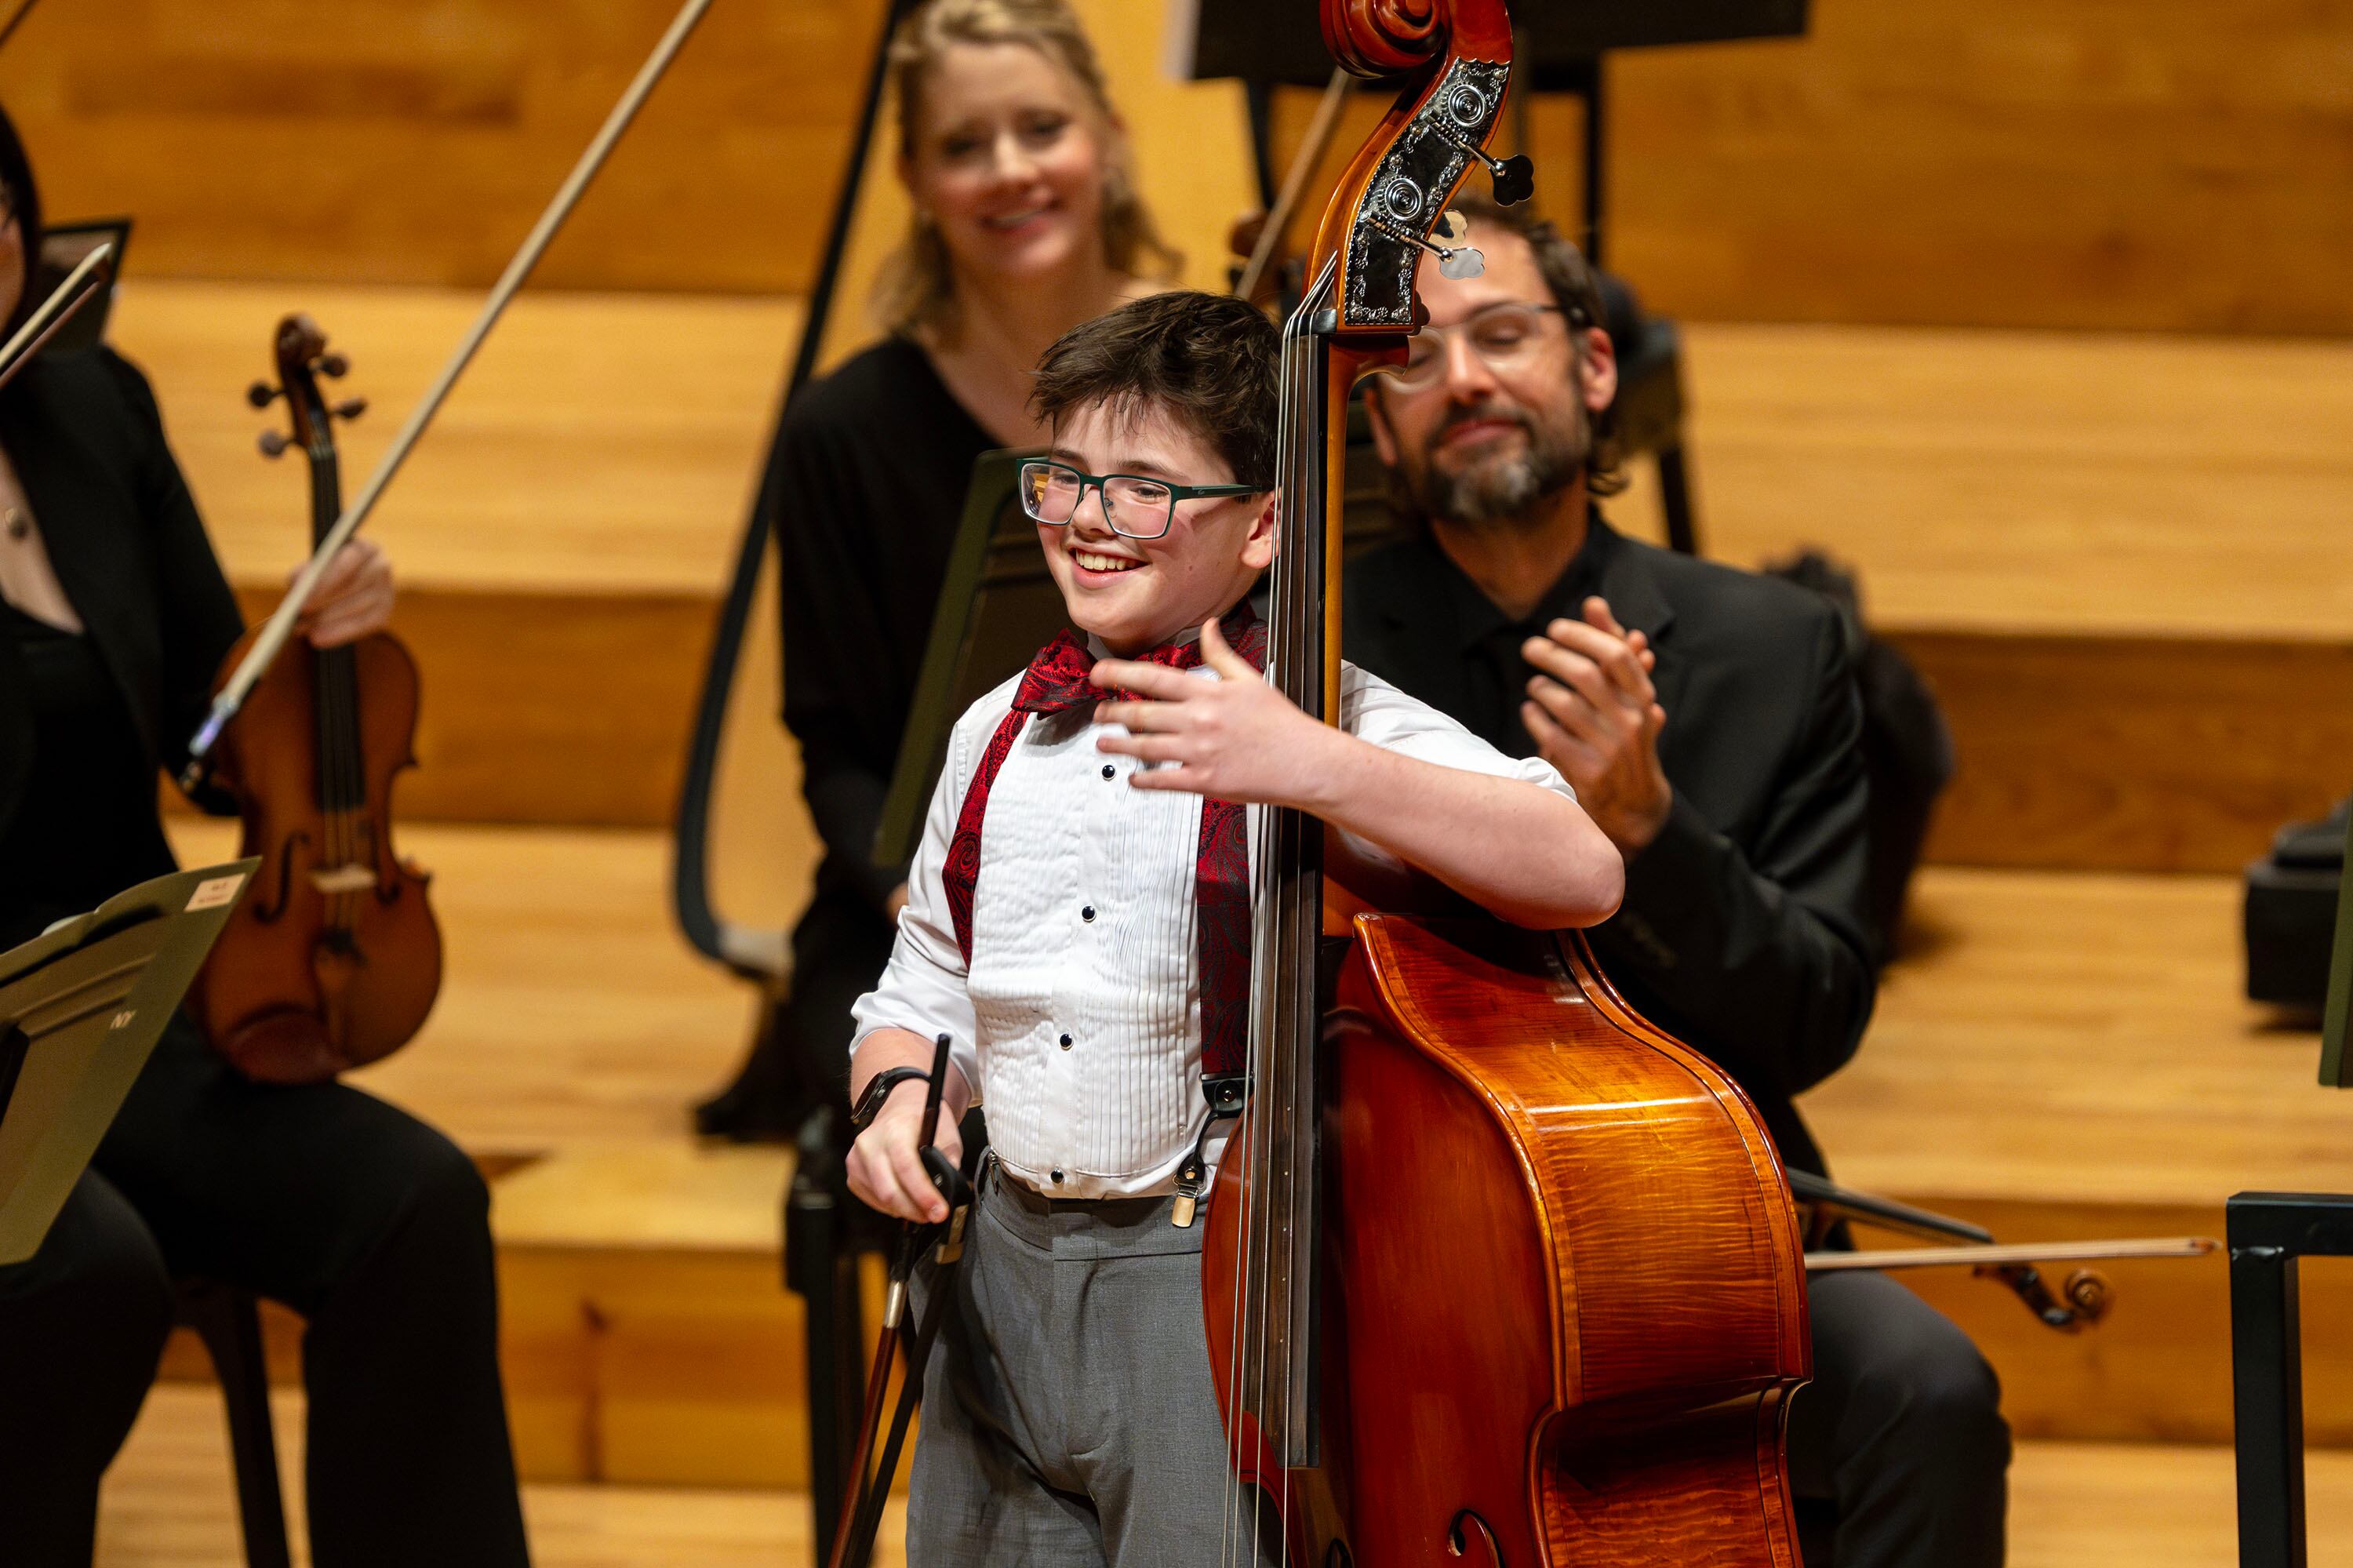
(214, 893)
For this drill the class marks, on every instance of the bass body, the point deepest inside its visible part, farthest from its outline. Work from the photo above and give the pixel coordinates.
(1564, 1303)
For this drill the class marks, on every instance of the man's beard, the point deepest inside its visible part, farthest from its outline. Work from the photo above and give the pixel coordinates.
(1494, 487)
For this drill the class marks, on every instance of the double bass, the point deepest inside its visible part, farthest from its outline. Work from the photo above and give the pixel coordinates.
(334, 958)
(1496, 1270)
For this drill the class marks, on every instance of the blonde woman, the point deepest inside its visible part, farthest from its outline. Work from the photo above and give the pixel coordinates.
(1025, 223)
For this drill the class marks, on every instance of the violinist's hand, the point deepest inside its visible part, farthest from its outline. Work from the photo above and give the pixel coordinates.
(352, 599)
(1234, 739)
(885, 1168)
(1594, 714)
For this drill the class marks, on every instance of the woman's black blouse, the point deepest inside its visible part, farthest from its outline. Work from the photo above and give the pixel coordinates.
(871, 470)
(86, 721)
(66, 848)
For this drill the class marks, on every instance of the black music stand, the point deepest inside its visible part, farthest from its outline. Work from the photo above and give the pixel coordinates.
(2336, 1017)
(82, 1007)
(63, 246)
(997, 606)
(2268, 1233)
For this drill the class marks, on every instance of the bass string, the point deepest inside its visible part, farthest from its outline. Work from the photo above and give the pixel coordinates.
(1241, 1371)
(1238, 1374)
(1282, 938)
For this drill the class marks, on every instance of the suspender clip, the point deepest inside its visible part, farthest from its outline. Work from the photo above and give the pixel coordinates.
(1227, 1093)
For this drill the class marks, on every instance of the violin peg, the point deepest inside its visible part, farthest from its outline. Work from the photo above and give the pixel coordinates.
(260, 394)
(1516, 179)
(351, 408)
(1453, 229)
(272, 443)
(333, 365)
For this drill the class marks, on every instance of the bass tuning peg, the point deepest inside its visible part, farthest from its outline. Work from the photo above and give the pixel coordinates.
(1457, 262)
(1514, 178)
(351, 408)
(272, 443)
(260, 394)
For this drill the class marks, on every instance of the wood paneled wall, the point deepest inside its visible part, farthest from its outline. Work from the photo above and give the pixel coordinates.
(392, 140)
(2165, 165)
(2161, 165)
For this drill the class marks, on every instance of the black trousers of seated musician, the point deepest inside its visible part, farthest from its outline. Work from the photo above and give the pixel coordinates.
(1897, 1447)
(366, 1221)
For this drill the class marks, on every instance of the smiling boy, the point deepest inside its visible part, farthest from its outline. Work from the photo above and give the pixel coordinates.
(1068, 880)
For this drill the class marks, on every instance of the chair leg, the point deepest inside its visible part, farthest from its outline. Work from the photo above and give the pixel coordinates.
(229, 1323)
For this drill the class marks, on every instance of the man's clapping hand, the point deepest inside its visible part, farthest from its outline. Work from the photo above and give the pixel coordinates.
(1594, 714)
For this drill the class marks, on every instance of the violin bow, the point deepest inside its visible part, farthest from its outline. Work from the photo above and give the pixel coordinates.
(1320, 132)
(82, 286)
(273, 637)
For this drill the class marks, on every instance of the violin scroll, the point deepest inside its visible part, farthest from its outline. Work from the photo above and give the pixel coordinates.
(303, 356)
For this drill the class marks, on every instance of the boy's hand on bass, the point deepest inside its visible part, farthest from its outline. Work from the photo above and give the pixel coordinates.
(1234, 739)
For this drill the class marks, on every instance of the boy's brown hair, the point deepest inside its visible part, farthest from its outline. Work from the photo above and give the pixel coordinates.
(1209, 360)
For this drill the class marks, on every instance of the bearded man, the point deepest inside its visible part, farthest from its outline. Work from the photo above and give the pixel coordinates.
(1711, 724)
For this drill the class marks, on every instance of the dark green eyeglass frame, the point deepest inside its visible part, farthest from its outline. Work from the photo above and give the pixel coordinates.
(1097, 482)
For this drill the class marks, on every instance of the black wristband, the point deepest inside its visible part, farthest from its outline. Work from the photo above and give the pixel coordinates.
(878, 1089)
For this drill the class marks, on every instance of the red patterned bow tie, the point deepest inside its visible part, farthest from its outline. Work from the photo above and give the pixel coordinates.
(1056, 680)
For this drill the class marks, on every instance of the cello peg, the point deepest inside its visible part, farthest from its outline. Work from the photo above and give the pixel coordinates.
(351, 408)
(260, 394)
(333, 365)
(272, 443)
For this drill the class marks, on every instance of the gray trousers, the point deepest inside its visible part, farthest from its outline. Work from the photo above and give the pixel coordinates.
(1068, 1417)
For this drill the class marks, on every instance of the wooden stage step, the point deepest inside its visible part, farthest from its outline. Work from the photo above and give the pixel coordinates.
(168, 1504)
(2065, 1055)
(2120, 558)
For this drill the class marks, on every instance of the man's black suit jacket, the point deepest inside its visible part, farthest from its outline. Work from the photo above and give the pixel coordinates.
(1746, 929)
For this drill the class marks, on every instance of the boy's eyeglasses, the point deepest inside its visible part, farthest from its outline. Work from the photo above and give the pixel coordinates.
(1506, 336)
(1136, 507)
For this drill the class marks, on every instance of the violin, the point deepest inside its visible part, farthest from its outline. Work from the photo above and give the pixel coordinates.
(1496, 1270)
(334, 958)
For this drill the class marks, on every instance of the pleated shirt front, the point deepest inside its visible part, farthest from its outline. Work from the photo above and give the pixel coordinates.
(1077, 1019)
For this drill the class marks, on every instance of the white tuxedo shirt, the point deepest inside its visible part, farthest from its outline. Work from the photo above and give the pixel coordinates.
(1078, 1021)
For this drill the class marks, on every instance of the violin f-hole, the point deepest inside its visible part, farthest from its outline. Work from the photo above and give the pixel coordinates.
(1469, 1538)
(269, 914)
